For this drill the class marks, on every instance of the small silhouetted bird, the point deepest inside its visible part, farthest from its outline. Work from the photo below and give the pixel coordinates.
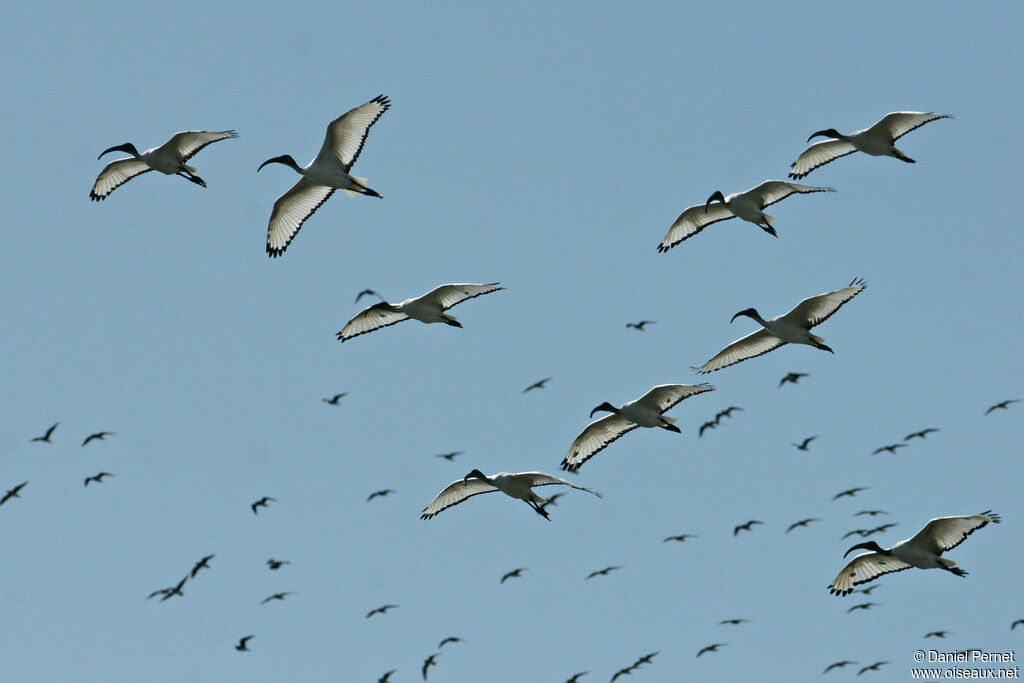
(936, 634)
(539, 384)
(879, 529)
(515, 573)
(735, 622)
(621, 672)
(837, 665)
(745, 527)
(576, 677)
(792, 378)
(856, 532)
(386, 678)
(201, 564)
(381, 494)
(45, 438)
(449, 639)
(646, 659)
(1003, 405)
(920, 435)
(639, 326)
(1016, 623)
(449, 456)
(726, 413)
(602, 572)
(380, 610)
(368, 292)
(891, 448)
(849, 492)
(867, 591)
(863, 606)
(802, 522)
(551, 500)
(710, 424)
(13, 493)
(276, 564)
(243, 643)
(711, 648)
(275, 596)
(98, 478)
(262, 502)
(97, 436)
(334, 399)
(873, 667)
(803, 444)
(680, 538)
(175, 590)
(428, 662)
(871, 512)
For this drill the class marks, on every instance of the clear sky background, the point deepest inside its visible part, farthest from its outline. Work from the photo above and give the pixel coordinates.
(549, 149)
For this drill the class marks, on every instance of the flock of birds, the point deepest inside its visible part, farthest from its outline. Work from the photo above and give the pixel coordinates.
(330, 171)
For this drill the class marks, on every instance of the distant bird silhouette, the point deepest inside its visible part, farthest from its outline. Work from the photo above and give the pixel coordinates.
(539, 384)
(745, 527)
(449, 456)
(551, 501)
(243, 643)
(681, 538)
(334, 399)
(734, 622)
(792, 378)
(871, 512)
(1004, 405)
(262, 502)
(639, 326)
(802, 522)
(849, 492)
(275, 596)
(921, 434)
(519, 486)
(13, 493)
(428, 662)
(386, 678)
(867, 591)
(802, 446)
(276, 564)
(863, 606)
(515, 573)
(98, 435)
(1016, 623)
(176, 590)
(621, 672)
(837, 665)
(161, 591)
(379, 494)
(856, 532)
(726, 413)
(936, 634)
(710, 648)
(891, 448)
(380, 610)
(98, 478)
(879, 529)
(576, 677)
(367, 292)
(602, 572)
(710, 424)
(449, 639)
(45, 438)
(873, 667)
(201, 564)
(646, 659)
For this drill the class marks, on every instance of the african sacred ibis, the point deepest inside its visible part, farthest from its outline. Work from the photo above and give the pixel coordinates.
(429, 308)
(747, 205)
(878, 140)
(793, 327)
(168, 158)
(923, 551)
(519, 485)
(325, 174)
(646, 411)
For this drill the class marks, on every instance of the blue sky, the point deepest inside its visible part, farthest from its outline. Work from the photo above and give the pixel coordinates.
(548, 148)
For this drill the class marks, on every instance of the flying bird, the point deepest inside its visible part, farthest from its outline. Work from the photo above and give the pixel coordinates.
(681, 538)
(849, 492)
(515, 573)
(710, 424)
(646, 411)
(386, 677)
(792, 378)
(243, 643)
(275, 596)
(175, 590)
(646, 659)
(873, 667)
(276, 564)
(747, 205)
(1004, 405)
(863, 605)
(867, 591)
(734, 622)
(328, 172)
(201, 564)
(878, 140)
(449, 456)
(575, 678)
(792, 327)
(924, 551)
(879, 529)
(98, 435)
(538, 384)
(97, 478)
(802, 446)
(552, 500)
(710, 648)
(726, 413)
(639, 326)
(367, 292)
(428, 662)
(837, 665)
(920, 435)
(262, 502)
(745, 527)
(856, 532)
(873, 513)
(45, 438)
(891, 448)
(334, 399)
(802, 522)
(428, 308)
(449, 639)
(602, 572)
(1016, 623)
(380, 610)
(379, 494)
(169, 158)
(13, 493)
(519, 485)
(936, 634)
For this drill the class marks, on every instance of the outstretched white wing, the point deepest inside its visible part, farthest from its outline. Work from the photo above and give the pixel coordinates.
(817, 309)
(692, 220)
(595, 438)
(864, 568)
(819, 154)
(370, 319)
(665, 396)
(945, 533)
(771, 191)
(291, 210)
(455, 493)
(347, 133)
(754, 344)
(115, 174)
(898, 123)
(449, 295)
